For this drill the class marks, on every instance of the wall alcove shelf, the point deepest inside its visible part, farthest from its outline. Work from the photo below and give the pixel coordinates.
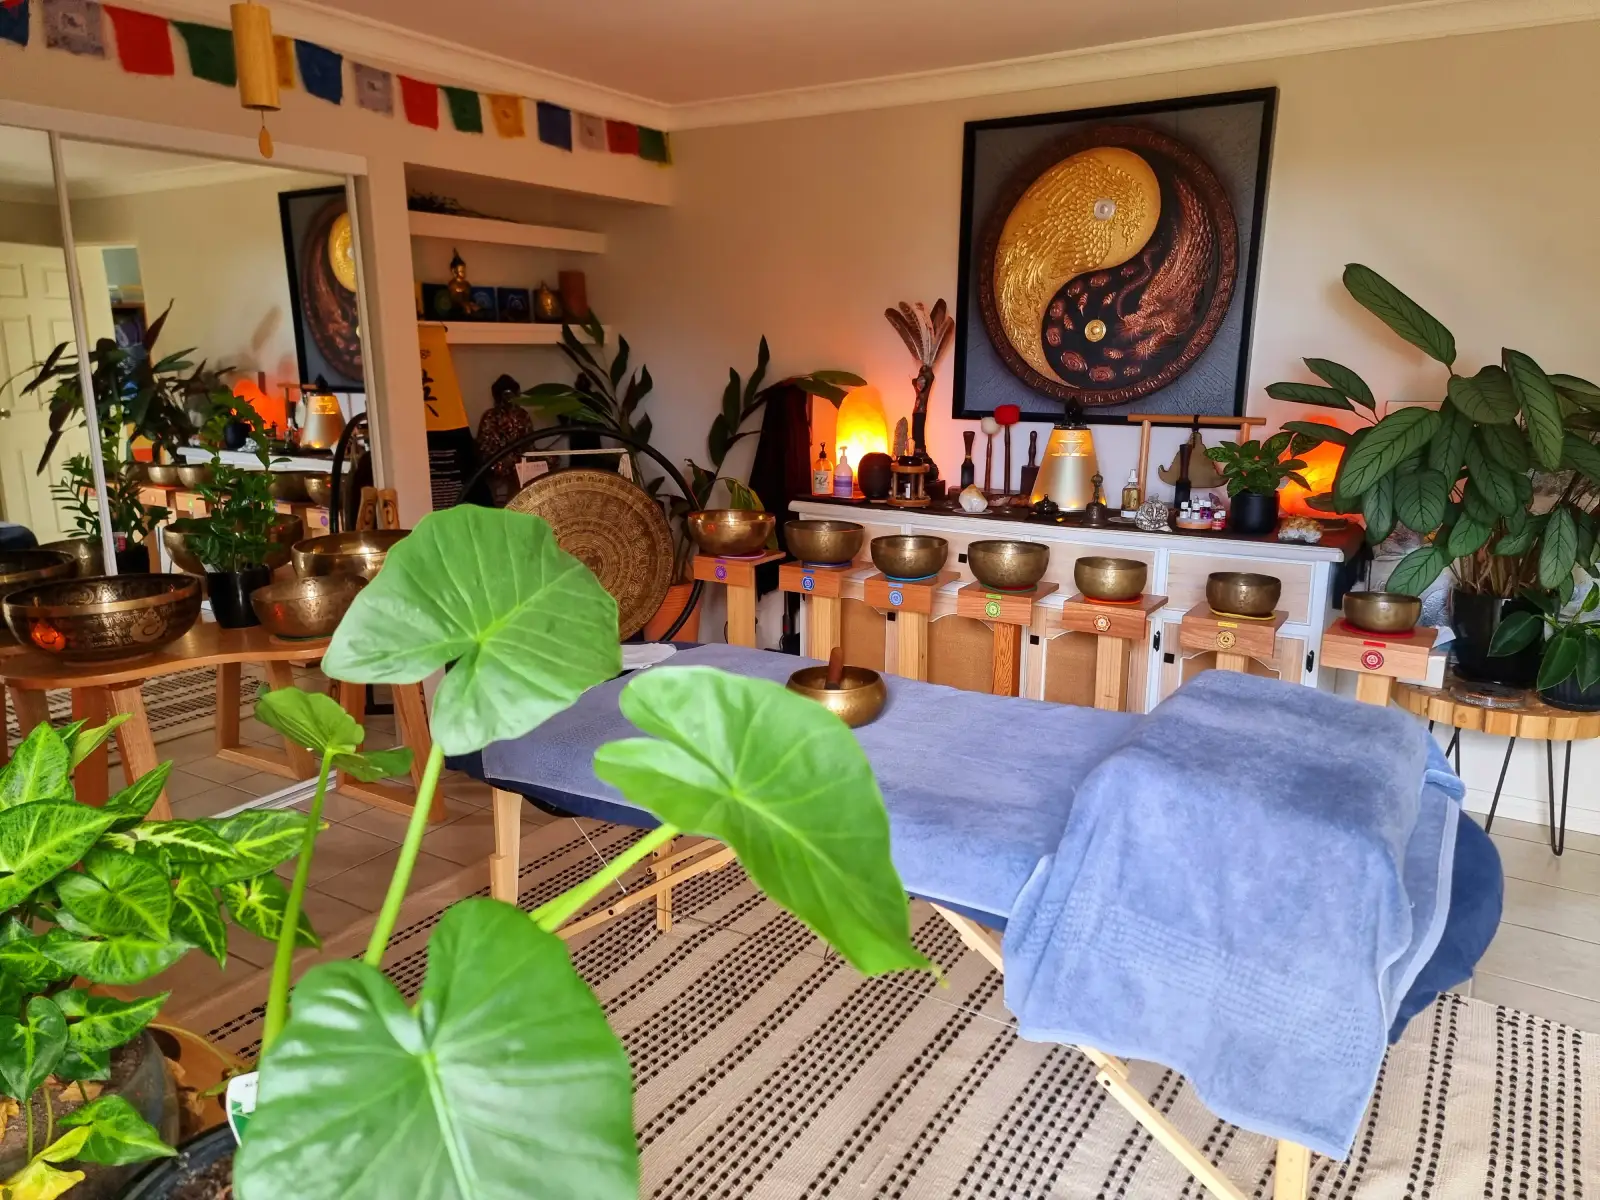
(483, 231)
(504, 333)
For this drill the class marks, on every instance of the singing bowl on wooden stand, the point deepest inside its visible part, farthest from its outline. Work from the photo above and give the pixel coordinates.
(1006, 565)
(858, 699)
(194, 475)
(731, 532)
(292, 486)
(825, 543)
(305, 608)
(359, 552)
(22, 568)
(1382, 612)
(1242, 593)
(162, 474)
(285, 532)
(1117, 580)
(909, 556)
(104, 617)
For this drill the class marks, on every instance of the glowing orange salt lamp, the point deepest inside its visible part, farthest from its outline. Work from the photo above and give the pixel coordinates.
(1322, 464)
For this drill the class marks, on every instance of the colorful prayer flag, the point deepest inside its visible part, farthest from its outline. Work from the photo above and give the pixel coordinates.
(14, 22)
(283, 56)
(507, 114)
(466, 113)
(591, 132)
(210, 52)
(144, 43)
(74, 26)
(653, 145)
(555, 125)
(420, 99)
(321, 70)
(622, 137)
(374, 88)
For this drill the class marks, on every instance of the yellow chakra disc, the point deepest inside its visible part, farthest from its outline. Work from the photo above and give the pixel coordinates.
(1095, 330)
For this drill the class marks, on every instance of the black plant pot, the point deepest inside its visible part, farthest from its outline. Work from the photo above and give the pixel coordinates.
(135, 560)
(166, 1176)
(1474, 618)
(1572, 696)
(1253, 513)
(230, 595)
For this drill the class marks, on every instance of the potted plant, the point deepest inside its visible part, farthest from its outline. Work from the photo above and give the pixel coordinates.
(1569, 657)
(96, 898)
(1501, 480)
(133, 523)
(1254, 471)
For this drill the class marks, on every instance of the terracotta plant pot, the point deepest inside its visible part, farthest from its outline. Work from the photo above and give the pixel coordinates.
(657, 626)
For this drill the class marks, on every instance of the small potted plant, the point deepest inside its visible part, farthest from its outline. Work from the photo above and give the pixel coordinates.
(132, 521)
(1569, 662)
(1254, 471)
(233, 539)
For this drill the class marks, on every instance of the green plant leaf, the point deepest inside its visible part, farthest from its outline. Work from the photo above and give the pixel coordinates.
(1486, 397)
(1476, 504)
(197, 917)
(1319, 431)
(1540, 406)
(1413, 573)
(118, 893)
(31, 1047)
(261, 839)
(1492, 481)
(1515, 631)
(1467, 536)
(310, 719)
(1386, 445)
(1561, 659)
(258, 905)
(1400, 313)
(117, 1134)
(120, 961)
(1343, 380)
(802, 812)
(527, 626)
(23, 961)
(85, 742)
(1580, 391)
(1420, 499)
(373, 765)
(184, 841)
(39, 841)
(1589, 668)
(1447, 452)
(133, 803)
(505, 1067)
(1507, 445)
(41, 769)
(1578, 453)
(1377, 506)
(1520, 540)
(103, 1022)
(1558, 549)
(1310, 393)
(39, 1179)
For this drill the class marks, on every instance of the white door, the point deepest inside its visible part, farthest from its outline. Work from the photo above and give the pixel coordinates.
(35, 317)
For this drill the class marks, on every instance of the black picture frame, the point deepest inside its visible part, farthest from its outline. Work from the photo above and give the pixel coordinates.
(1037, 406)
(295, 208)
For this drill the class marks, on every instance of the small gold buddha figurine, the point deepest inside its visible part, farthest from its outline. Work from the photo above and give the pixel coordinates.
(458, 287)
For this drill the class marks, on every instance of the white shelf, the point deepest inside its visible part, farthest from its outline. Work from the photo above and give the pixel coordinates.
(450, 228)
(504, 333)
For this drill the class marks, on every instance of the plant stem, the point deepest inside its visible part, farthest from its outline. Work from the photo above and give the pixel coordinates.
(49, 1114)
(552, 914)
(27, 1104)
(283, 955)
(409, 849)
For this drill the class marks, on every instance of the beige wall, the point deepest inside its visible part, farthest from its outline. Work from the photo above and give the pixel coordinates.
(30, 224)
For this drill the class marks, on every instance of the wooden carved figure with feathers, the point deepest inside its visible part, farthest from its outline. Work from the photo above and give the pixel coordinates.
(927, 335)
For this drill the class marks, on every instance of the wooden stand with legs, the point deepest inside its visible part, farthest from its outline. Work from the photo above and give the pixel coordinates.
(1115, 628)
(1008, 614)
(1378, 659)
(820, 590)
(739, 576)
(911, 604)
(411, 716)
(1235, 639)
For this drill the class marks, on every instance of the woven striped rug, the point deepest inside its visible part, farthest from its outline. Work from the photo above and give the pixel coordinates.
(176, 705)
(767, 1068)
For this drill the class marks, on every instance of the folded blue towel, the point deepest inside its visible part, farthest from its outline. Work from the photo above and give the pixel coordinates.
(1245, 891)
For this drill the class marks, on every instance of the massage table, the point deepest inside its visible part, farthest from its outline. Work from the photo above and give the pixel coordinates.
(549, 769)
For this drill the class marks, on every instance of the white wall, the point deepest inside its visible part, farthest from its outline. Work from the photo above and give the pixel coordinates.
(30, 224)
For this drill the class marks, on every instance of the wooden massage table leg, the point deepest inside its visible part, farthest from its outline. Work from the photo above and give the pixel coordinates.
(503, 864)
(661, 855)
(1292, 1175)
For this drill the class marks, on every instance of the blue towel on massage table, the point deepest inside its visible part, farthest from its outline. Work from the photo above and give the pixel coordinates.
(979, 791)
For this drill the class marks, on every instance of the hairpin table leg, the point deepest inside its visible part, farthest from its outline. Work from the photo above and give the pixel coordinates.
(1511, 744)
(1558, 833)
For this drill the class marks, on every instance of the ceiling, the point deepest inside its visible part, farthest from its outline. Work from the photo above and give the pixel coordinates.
(95, 170)
(698, 51)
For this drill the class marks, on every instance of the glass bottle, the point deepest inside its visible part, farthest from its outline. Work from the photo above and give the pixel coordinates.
(969, 472)
(822, 473)
(844, 482)
(1130, 494)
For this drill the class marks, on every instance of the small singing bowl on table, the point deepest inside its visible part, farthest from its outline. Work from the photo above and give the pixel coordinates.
(289, 486)
(359, 552)
(909, 556)
(195, 475)
(319, 488)
(162, 474)
(23, 568)
(87, 553)
(305, 608)
(104, 617)
(731, 532)
(1117, 580)
(1242, 593)
(857, 700)
(825, 543)
(1006, 565)
(1382, 612)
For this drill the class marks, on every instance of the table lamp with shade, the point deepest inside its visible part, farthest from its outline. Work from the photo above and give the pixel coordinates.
(1067, 474)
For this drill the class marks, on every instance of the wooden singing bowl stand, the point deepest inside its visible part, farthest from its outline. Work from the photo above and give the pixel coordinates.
(1235, 639)
(738, 575)
(909, 606)
(821, 588)
(1378, 659)
(1115, 627)
(1008, 614)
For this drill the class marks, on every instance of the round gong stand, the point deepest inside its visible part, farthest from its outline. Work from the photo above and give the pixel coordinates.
(1511, 713)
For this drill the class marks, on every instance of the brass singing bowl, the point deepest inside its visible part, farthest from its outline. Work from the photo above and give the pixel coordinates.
(283, 534)
(136, 472)
(1008, 566)
(731, 532)
(824, 542)
(858, 699)
(305, 608)
(319, 488)
(194, 475)
(105, 616)
(162, 474)
(1382, 612)
(86, 552)
(360, 552)
(1114, 579)
(909, 555)
(289, 486)
(1242, 594)
(21, 568)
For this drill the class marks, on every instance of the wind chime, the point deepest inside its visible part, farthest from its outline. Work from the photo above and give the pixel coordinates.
(257, 61)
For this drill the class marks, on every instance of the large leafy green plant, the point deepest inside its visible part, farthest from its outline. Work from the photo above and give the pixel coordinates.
(593, 397)
(1572, 647)
(1463, 475)
(236, 531)
(100, 896)
(503, 1079)
(130, 515)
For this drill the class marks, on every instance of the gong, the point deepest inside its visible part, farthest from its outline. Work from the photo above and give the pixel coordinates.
(614, 528)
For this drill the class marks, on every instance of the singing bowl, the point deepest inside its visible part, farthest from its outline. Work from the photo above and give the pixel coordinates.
(1008, 566)
(909, 555)
(731, 532)
(1382, 612)
(283, 534)
(305, 608)
(87, 553)
(105, 616)
(826, 542)
(1242, 594)
(319, 488)
(1114, 579)
(162, 474)
(359, 552)
(194, 475)
(22, 568)
(858, 699)
(290, 486)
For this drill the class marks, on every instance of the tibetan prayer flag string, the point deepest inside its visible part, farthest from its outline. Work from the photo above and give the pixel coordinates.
(420, 100)
(14, 22)
(591, 132)
(144, 43)
(321, 70)
(622, 137)
(653, 146)
(555, 125)
(210, 52)
(283, 57)
(75, 26)
(466, 113)
(507, 114)
(374, 89)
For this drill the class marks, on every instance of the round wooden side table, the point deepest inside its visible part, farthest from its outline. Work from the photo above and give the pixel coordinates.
(1515, 714)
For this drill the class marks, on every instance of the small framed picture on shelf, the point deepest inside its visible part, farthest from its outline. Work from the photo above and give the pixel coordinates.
(437, 303)
(484, 305)
(515, 305)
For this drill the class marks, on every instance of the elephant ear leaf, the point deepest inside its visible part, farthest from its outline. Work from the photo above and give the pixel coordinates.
(1400, 313)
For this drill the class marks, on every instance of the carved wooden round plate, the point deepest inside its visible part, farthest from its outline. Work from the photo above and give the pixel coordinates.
(613, 528)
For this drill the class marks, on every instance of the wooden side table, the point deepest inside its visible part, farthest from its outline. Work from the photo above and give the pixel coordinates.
(1235, 639)
(1378, 659)
(1008, 614)
(821, 589)
(1115, 628)
(739, 576)
(911, 604)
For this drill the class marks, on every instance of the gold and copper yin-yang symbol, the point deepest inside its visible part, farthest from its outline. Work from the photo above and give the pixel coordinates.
(1108, 263)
